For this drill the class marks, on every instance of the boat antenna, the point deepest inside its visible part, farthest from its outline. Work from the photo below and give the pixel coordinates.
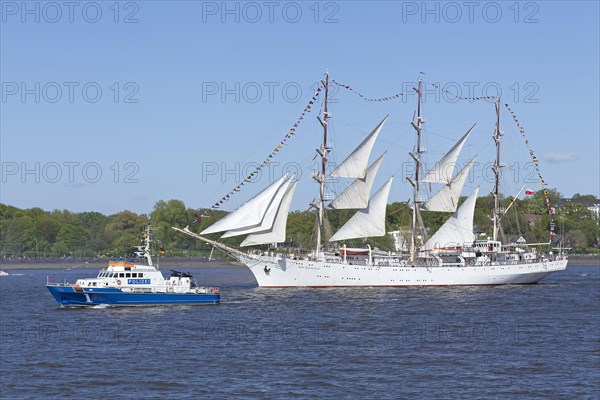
(321, 177)
(147, 241)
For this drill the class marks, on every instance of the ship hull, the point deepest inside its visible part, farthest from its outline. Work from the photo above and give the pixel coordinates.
(67, 296)
(281, 273)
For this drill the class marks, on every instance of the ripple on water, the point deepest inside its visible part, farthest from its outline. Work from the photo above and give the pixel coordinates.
(463, 342)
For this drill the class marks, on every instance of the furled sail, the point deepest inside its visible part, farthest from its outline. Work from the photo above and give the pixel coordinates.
(458, 229)
(446, 200)
(443, 170)
(248, 214)
(357, 194)
(268, 218)
(368, 222)
(355, 165)
(276, 234)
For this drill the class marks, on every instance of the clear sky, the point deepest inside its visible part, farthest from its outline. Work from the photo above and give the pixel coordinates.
(109, 106)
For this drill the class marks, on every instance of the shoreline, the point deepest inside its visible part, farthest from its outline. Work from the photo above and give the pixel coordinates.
(201, 262)
(174, 263)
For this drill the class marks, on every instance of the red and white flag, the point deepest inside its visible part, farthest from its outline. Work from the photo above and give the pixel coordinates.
(529, 192)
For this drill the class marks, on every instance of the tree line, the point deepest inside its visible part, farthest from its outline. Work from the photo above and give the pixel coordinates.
(35, 233)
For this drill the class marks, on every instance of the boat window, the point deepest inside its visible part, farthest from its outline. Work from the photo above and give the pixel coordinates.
(135, 274)
(140, 275)
(121, 275)
(128, 275)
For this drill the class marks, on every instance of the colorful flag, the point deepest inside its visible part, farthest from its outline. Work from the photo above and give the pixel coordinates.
(529, 192)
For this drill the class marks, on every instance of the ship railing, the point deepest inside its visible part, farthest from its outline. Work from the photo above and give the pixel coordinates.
(58, 284)
(64, 283)
(449, 264)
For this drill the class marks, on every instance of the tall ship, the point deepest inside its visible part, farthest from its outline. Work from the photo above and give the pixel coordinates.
(453, 255)
(134, 284)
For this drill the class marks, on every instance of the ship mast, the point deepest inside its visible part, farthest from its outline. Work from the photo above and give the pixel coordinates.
(144, 251)
(417, 157)
(321, 177)
(496, 169)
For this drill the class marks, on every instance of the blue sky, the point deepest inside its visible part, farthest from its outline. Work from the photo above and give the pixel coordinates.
(161, 125)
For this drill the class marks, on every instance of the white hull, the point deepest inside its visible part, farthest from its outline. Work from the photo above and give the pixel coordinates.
(272, 272)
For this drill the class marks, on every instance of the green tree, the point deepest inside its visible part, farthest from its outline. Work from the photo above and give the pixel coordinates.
(164, 217)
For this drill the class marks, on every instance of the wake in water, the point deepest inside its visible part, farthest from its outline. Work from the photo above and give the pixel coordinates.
(101, 306)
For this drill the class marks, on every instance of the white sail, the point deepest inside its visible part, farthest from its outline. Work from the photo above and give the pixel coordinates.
(368, 222)
(268, 218)
(443, 170)
(446, 200)
(276, 234)
(458, 229)
(355, 165)
(249, 213)
(357, 194)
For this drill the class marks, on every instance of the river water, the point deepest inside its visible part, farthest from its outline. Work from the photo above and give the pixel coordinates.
(532, 341)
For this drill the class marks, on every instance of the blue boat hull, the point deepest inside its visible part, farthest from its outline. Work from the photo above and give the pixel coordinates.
(67, 296)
